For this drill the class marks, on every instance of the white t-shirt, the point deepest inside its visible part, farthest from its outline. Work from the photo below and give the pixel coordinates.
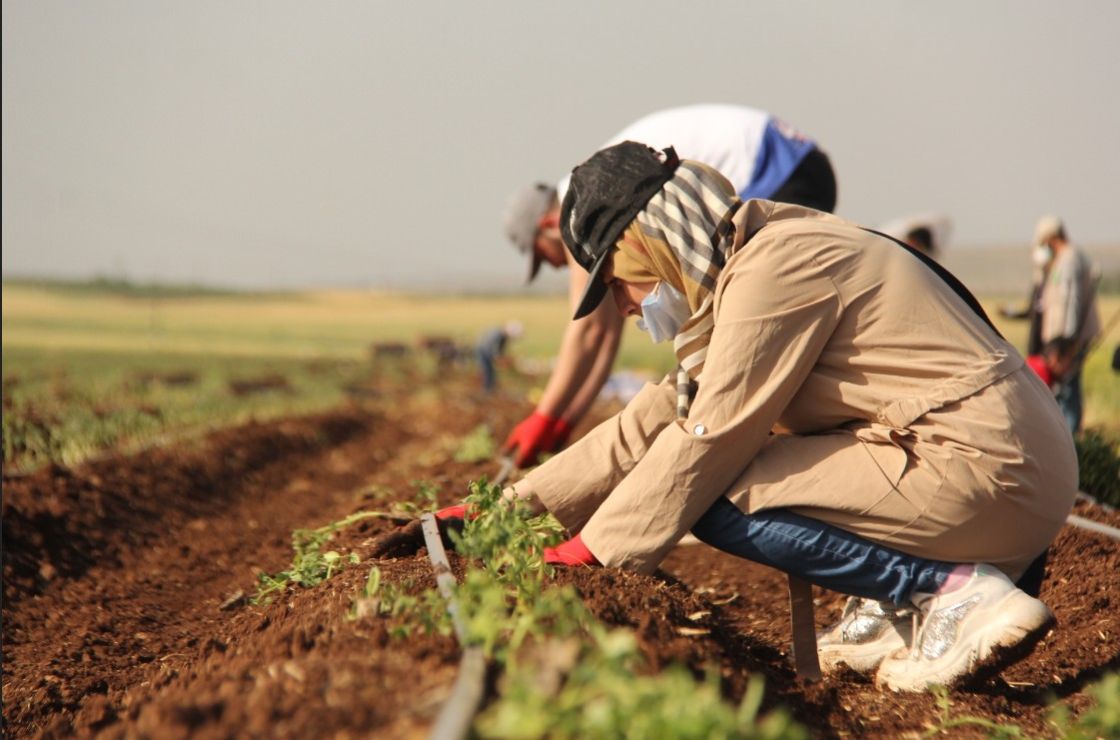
(754, 150)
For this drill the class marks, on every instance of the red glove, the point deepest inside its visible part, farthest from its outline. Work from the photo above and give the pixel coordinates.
(536, 434)
(1038, 364)
(572, 552)
(561, 430)
(458, 511)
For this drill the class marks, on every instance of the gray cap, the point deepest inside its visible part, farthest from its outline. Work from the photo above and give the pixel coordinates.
(523, 214)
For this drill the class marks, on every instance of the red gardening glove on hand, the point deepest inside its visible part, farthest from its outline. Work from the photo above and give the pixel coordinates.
(408, 538)
(458, 511)
(1038, 364)
(572, 552)
(534, 435)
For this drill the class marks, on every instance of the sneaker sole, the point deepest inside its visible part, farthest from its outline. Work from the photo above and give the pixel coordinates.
(860, 658)
(1000, 643)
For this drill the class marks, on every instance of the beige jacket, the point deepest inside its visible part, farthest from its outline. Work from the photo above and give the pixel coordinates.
(897, 413)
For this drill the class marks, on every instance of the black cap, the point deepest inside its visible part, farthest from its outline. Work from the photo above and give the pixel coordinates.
(606, 193)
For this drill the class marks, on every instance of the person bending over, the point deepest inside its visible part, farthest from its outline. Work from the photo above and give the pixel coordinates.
(762, 157)
(844, 411)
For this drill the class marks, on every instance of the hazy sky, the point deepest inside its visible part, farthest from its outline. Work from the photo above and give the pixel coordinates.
(263, 144)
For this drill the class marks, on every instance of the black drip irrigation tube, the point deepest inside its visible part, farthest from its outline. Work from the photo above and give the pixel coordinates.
(458, 712)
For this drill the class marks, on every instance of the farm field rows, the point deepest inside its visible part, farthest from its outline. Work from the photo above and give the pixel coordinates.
(126, 586)
(89, 369)
(130, 570)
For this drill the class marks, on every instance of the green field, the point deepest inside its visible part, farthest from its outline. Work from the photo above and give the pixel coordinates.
(92, 367)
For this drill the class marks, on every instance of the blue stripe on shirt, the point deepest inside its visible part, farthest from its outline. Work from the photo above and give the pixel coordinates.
(778, 156)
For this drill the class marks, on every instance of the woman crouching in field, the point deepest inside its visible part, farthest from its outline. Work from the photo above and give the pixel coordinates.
(844, 412)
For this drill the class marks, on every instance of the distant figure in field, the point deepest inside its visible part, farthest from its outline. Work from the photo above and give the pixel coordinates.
(762, 157)
(491, 347)
(1063, 313)
(926, 232)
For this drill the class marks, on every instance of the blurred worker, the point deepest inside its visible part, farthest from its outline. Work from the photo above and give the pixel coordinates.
(922, 472)
(762, 157)
(491, 346)
(1067, 313)
(926, 232)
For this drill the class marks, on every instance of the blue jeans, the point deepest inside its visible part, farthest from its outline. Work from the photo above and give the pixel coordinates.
(1069, 401)
(820, 553)
(486, 361)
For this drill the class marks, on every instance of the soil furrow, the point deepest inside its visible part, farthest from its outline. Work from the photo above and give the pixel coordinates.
(116, 573)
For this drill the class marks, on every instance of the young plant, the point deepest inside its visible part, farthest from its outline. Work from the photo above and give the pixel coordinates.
(589, 687)
(310, 564)
(427, 495)
(388, 600)
(504, 536)
(595, 693)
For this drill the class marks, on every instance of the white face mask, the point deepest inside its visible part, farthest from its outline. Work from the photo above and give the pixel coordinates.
(664, 310)
(1041, 255)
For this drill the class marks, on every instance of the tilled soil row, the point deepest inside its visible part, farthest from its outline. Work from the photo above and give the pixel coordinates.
(115, 623)
(115, 572)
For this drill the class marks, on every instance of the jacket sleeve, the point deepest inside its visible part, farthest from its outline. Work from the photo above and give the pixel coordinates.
(771, 327)
(575, 482)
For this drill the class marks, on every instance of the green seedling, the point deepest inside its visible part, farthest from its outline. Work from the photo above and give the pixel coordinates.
(529, 630)
(311, 565)
(378, 599)
(595, 693)
(507, 541)
(426, 498)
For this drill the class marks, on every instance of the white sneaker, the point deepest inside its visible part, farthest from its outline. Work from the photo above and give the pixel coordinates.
(868, 631)
(960, 630)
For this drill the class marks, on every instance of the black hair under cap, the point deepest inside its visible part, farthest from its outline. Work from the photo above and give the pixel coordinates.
(606, 193)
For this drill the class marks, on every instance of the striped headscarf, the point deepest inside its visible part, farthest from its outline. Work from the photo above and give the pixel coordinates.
(684, 236)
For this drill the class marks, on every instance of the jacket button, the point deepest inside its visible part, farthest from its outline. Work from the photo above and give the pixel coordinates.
(699, 430)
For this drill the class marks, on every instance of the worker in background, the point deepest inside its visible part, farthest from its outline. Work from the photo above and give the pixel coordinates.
(1068, 317)
(762, 156)
(926, 232)
(490, 348)
(1063, 314)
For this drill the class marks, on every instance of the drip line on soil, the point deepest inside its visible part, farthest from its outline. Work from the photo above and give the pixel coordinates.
(457, 714)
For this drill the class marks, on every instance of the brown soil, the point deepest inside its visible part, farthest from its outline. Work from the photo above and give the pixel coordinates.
(124, 613)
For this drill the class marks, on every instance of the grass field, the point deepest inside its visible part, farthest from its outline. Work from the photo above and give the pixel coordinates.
(333, 324)
(89, 367)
